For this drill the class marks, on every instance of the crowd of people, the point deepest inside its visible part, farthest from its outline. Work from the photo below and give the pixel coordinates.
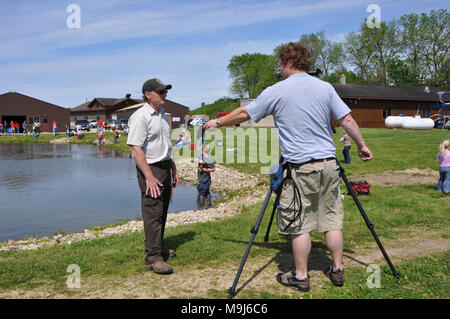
(13, 128)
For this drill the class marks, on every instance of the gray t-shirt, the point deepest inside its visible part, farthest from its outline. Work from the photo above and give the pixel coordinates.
(151, 131)
(301, 106)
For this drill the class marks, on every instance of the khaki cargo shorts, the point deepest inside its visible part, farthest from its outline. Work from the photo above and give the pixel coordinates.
(321, 202)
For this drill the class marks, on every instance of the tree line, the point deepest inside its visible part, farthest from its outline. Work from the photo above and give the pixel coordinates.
(411, 50)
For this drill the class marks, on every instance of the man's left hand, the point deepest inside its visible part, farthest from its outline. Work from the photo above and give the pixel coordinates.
(175, 179)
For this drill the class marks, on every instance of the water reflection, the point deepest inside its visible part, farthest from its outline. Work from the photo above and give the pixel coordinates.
(48, 188)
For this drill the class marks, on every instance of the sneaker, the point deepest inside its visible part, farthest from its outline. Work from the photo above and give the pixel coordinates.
(336, 277)
(160, 267)
(288, 279)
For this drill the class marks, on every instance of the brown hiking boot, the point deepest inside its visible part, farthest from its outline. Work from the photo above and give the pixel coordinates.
(160, 267)
(336, 277)
(288, 279)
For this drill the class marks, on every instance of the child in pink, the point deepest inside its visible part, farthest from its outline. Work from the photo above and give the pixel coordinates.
(443, 157)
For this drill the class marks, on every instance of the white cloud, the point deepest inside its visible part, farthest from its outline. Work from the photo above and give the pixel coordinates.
(179, 20)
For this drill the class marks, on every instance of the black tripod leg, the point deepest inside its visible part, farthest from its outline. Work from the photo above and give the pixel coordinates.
(275, 206)
(254, 231)
(368, 222)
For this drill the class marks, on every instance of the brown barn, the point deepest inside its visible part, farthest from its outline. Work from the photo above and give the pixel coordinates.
(177, 112)
(371, 104)
(18, 107)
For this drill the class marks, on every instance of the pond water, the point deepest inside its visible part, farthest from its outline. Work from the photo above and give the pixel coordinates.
(49, 188)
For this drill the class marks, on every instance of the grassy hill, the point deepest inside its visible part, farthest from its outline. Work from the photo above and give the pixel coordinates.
(224, 104)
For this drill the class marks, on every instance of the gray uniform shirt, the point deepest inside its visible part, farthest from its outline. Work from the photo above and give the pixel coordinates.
(301, 106)
(151, 131)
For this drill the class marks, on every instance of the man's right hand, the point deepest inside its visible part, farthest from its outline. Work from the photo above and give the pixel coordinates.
(153, 187)
(364, 153)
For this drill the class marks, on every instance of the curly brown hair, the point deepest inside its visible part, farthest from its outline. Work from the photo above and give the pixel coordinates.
(297, 53)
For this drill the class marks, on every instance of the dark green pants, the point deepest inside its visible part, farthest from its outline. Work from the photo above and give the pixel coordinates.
(154, 210)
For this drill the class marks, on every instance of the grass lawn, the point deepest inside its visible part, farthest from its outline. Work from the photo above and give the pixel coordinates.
(400, 215)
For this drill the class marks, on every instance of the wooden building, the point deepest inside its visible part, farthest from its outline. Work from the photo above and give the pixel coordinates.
(19, 108)
(371, 104)
(100, 108)
(175, 111)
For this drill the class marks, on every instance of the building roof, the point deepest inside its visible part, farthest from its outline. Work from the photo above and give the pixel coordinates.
(10, 96)
(168, 106)
(103, 104)
(108, 103)
(380, 92)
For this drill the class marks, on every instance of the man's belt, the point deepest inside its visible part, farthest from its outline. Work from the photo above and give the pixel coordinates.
(313, 161)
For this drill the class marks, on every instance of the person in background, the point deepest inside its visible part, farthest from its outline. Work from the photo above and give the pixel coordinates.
(55, 128)
(100, 136)
(25, 127)
(100, 125)
(205, 168)
(79, 133)
(347, 140)
(68, 129)
(1, 128)
(17, 125)
(38, 128)
(33, 128)
(116, 135)
(443, 157)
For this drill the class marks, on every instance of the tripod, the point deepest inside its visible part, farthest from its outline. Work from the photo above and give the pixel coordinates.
(277, 190)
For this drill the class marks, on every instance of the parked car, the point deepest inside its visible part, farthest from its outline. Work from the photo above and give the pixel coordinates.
(123, 123)
(85, 124)
(93, 123)
(110, 124)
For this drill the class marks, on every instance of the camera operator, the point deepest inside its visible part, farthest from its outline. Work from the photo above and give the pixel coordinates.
(301, 106)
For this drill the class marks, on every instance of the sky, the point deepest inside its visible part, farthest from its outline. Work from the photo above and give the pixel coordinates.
(120, 44)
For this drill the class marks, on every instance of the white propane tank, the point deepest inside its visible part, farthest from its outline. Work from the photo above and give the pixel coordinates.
(418, 123)
(395, 121)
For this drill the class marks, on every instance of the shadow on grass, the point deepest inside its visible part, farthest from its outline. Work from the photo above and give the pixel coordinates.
(175, 241)
(319, 258)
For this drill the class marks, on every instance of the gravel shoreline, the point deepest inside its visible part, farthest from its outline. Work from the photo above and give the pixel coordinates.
(223, 179)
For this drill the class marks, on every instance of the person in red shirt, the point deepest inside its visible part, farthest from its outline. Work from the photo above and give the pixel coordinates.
(100, 124)
(17, 127)
(12, 126)
(55, 128)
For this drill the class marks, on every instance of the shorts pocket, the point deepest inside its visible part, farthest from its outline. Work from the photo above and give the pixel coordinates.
(308, 180)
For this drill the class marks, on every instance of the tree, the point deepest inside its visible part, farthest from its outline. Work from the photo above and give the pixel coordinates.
(384, 44)
(359, 51)
(411, 35)
(251, 74)
(435, 49)
(400, 73)
(325, 55)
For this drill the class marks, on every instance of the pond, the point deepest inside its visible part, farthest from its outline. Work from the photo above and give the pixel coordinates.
(51, 188)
